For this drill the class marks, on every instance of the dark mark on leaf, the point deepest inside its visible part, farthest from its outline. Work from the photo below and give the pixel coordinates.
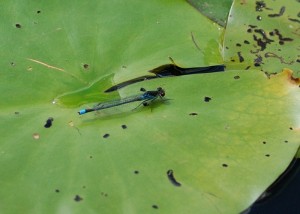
(57, 190)
(291, 128)
(49, 122)
(259, 18)
(294, 20)
(224, 165)
(172, 179)
(247, 68)
(106, 136)
(238, 44)
(246, 42)
(269, 54)
(260, 5)
(207, 99)
(286, 141)
(282, 9)
(236, 77)
(241, 58)
(258, 61)
(267, 155)
(18, 25)
(38, 11)
(85, 66)
(264, 142)
(104, 194)
(193, 114)
(78, 198)
(154, 206)
(124, 127)
(136, 172)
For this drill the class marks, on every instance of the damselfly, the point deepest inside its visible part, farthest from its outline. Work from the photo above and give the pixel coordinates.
(146, 98)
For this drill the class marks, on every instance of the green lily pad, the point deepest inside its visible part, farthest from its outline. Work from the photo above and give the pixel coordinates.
(263, 35)
(183, 155)
(214, 9)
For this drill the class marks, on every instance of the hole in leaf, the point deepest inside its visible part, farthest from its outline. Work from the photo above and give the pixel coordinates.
(36, 136)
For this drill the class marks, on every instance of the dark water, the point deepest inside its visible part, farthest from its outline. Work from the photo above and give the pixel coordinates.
(284, 195)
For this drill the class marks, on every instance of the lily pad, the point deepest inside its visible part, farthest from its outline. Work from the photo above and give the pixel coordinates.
(263, 35)
(183, 155)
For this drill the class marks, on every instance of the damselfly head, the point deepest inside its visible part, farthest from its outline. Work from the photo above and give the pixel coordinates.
(161, 91)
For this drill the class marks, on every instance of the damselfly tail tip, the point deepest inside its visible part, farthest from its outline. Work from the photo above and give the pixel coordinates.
(83, 111)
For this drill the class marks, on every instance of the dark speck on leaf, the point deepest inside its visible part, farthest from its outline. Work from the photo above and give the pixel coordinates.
(238, 44)
(224, 165)
(78, 198)
(259, 18)
(193, 114)
(291, 128)
(86, 66)
(38, 11)
(154, 206)
(49, 122)
(172, 179)
(267, 155)
(236, 77)
(57, 190)
(286, 141)
(264, 142)
(106, 136)
(18, 25)
(136, 172)
(241, 58)
(207, 99)
(124, 127)
(246, 42)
